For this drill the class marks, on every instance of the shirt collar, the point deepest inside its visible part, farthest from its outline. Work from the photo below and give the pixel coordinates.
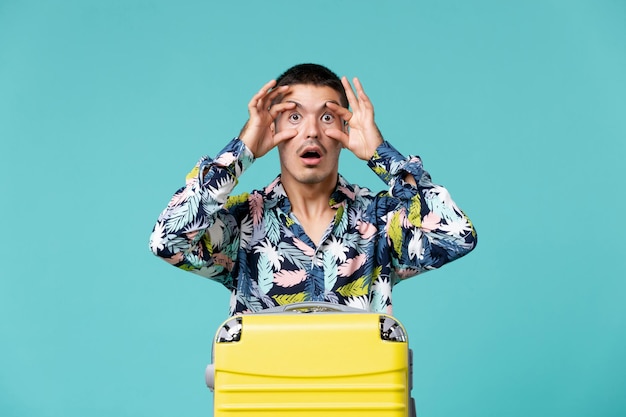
(275, 195)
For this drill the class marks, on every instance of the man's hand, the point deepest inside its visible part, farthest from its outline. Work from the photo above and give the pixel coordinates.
(258, 132)
(363, 136)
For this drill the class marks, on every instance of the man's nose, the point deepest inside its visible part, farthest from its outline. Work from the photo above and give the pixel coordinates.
(312, 129)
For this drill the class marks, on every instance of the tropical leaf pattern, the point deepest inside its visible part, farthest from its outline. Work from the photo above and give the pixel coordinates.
(253, 245)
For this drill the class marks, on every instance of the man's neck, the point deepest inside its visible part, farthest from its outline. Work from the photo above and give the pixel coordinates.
(309, 198)
(310, 205)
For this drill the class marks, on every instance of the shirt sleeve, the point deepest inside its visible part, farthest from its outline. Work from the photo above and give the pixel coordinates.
(196, 232)
(424, 227)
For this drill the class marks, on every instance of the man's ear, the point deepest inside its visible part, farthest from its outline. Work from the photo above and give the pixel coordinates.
(273, 127)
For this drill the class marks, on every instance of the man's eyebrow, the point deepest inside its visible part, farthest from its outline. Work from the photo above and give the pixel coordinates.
(321, 107)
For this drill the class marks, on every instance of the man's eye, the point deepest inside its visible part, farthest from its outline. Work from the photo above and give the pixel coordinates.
(294, 117)
(328, 118)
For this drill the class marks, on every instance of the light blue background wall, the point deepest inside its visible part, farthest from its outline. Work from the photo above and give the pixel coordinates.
(518, 107)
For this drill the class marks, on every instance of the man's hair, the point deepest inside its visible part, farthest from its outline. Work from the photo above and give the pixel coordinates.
(313, 74)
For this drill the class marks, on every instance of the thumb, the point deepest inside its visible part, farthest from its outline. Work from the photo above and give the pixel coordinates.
(284, 135)
(338, 135)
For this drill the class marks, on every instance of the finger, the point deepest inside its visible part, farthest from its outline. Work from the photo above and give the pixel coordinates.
(262, 92)
(260, 101)
(284, 135)
(363, 98)
(341, 111)
(278, 108)
(336, 108)
(266, 102)
(268, 85)
(257, 99)
(352, 100)
(272, 94)
(358, 86)
(338, 135)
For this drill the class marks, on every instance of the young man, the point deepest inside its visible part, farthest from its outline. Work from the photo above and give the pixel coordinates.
(311, 235)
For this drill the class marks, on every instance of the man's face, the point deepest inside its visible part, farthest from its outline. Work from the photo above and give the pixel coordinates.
(311, 157)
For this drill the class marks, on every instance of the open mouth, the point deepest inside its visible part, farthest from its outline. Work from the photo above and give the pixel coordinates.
(310, 155)
(311, 158)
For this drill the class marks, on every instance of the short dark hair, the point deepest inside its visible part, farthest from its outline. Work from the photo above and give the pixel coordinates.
(313, 74)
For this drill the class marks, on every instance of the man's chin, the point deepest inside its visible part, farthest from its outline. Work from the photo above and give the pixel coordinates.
(314, 178)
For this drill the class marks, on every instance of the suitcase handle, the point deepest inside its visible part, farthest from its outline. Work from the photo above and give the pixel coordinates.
(312, 307)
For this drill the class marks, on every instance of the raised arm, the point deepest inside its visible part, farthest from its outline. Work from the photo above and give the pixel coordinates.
(196, 231)
(199, 230)
(424, 226)
(258, 133)
(362, 136)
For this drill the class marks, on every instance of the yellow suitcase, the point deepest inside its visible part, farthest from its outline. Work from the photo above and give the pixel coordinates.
(311, 359)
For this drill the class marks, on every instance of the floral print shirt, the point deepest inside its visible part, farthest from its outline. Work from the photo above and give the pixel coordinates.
(253, 245)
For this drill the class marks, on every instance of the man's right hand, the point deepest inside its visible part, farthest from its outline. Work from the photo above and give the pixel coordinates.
(258, 134)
